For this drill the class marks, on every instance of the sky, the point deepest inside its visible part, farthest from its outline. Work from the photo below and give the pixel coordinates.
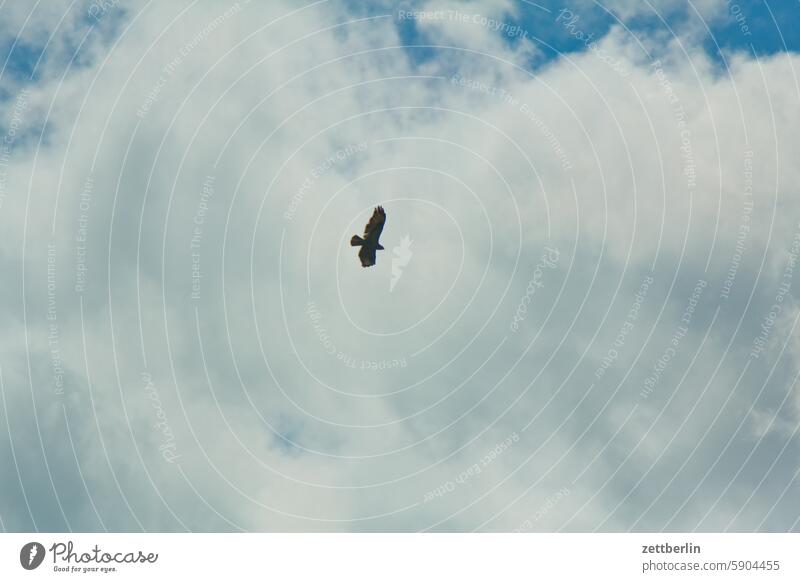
(584, 318)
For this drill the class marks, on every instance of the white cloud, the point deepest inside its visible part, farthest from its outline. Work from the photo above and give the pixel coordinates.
(448, 161)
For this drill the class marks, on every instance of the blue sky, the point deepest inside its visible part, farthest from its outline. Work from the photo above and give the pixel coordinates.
(769, 26)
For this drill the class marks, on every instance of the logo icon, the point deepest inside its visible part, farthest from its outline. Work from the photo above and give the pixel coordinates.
(31, 555)
(402, 256)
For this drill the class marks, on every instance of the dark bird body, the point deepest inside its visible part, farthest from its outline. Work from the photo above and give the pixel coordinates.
(371, 241)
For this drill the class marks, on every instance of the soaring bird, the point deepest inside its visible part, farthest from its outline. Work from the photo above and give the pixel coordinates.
(372, 233)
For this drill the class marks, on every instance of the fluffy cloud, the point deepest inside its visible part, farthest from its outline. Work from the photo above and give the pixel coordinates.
(287, 388)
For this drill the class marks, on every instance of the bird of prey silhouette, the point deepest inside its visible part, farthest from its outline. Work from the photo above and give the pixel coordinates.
(372, 233)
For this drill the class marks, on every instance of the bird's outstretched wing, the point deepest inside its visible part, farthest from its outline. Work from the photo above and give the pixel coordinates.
(375, 225)
(367, 256)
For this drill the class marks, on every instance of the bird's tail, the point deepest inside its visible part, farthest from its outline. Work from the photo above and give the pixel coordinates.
(356, 241)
